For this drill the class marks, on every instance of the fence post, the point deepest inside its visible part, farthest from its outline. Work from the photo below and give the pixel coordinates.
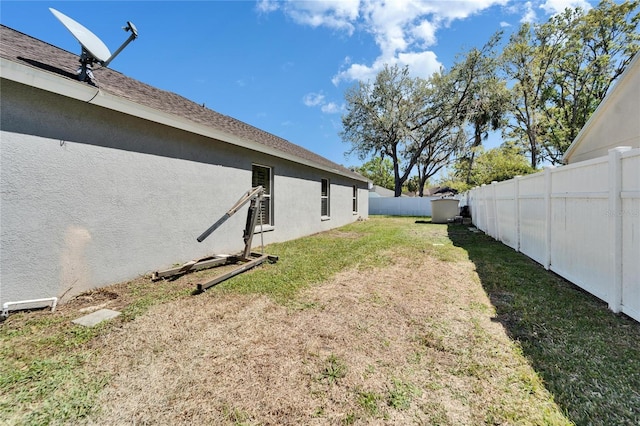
(496, 222)
(486, 212)
(615, 226)
(547, 223)
(516, 200)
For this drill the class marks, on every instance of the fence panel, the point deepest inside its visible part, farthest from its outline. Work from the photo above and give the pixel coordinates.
(580, 234)
(490, 211)
(476, 205)
(582, 221)
(401, 206)
(532, 222)
(506, 212)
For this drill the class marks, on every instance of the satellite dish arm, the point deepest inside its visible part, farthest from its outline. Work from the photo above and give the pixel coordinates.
(133, 36)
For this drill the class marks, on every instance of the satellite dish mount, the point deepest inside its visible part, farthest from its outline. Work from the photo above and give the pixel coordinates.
(93, 49)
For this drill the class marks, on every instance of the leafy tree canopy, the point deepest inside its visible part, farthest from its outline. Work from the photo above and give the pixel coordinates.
(561, 70)
(497, 164)
(379, 171)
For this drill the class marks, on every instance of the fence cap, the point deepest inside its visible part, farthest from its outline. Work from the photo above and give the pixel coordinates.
(620, 149)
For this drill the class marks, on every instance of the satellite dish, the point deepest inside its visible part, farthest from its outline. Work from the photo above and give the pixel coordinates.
(93, 49)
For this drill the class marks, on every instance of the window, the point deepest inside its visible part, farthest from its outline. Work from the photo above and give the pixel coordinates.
(324, 198)
(261, 175)
(355, 199)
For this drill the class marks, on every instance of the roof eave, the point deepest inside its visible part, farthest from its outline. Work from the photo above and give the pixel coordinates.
(602, 106)
(53, 83)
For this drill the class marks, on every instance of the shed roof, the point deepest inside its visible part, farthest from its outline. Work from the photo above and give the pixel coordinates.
(41, 57)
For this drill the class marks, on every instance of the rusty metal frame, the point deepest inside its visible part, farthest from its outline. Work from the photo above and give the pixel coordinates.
(249, 259)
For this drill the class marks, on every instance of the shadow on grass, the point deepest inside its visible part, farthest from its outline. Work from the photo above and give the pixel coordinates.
(587, 356)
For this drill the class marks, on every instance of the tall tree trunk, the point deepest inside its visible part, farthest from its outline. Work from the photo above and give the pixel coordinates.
(420, 182)
(477, 141)
(396, 173)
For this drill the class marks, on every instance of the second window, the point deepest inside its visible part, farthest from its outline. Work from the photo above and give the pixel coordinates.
(324, 198)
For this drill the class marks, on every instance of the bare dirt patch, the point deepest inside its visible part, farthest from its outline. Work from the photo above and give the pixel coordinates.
(409, 343)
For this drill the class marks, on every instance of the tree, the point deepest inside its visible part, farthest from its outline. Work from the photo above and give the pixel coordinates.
(470, 92)
(379, 115)
(489, 98)
(412, 184)
(526, 60)
(437, 155)
(379, 170)
(411, 120)
(561, 71)
(599, 46)
(497, 164)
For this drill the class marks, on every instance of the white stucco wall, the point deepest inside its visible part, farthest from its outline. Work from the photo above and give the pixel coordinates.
(92, 197)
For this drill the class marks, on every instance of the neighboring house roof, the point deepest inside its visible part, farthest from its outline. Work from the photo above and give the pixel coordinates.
(439, 190)
(615, 122)
(24, 59)
(381, 192)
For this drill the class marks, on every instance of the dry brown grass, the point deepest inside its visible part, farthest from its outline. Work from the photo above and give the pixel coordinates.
(410, 343)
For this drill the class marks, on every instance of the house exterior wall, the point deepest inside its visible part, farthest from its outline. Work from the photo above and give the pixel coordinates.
(91, 196)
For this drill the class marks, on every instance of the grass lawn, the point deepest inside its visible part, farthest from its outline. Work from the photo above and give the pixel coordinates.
(385, 321)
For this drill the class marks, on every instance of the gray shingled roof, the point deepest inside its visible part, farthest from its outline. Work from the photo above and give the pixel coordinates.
(18, 47)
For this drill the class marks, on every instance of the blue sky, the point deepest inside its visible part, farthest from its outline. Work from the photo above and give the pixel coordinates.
(282, 66)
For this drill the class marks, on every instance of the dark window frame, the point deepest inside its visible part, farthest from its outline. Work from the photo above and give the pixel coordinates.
(267, 202)
(325, 198)
(355, 199)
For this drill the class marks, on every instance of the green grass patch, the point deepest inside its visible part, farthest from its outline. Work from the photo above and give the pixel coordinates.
(333, 370)
(400, 394)
(314, 259)
(586, 356)
(369, 402)
(47, 389)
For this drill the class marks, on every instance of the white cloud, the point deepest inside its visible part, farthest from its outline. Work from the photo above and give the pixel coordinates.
(313, 99)
(339, 15)
(267, 6)
(332, 108)
(421, 64)
(548, 7)
(553, 7)
(504, 24)
(425, 31)
(529, 13)
(402, 29)
(356, 72)
(318, 100)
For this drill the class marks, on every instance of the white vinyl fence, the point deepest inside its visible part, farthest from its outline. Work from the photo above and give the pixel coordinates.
(581, 221)
(401, 206)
